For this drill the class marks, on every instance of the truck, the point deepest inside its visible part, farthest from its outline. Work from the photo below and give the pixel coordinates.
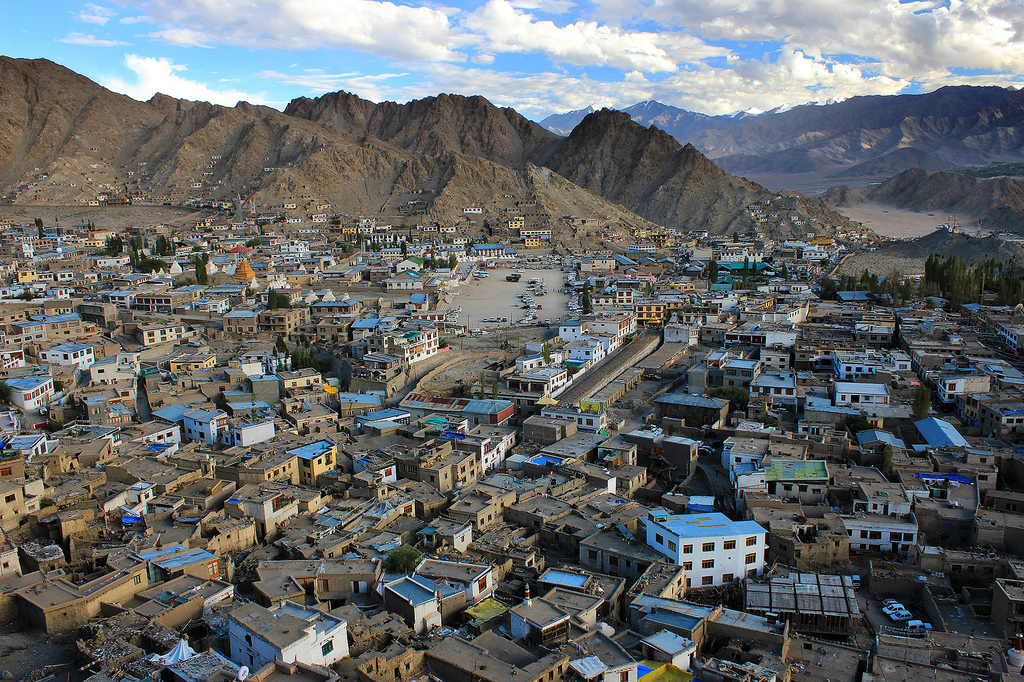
(514, 277)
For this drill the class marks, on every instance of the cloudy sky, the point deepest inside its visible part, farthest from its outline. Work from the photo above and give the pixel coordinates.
(539, 56)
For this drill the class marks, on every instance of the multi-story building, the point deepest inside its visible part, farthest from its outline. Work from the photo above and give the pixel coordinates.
(711, 548)
(32, 392)
(80, 354)
(413, 345)
(286, 632)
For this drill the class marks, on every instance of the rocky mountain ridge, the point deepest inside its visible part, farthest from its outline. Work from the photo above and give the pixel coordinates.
(66, 139)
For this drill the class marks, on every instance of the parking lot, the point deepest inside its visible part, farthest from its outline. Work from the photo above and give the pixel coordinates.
(493, 296)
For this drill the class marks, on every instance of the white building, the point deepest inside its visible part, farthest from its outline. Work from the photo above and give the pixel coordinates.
(205, 425)
(849, 394)
(115, 368)
(31, 393)
(286, 632)
(711, 548)
(248, 433)
(881, 533)
(66, 354)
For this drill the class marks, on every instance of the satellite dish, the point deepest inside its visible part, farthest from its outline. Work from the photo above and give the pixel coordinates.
(243, 673)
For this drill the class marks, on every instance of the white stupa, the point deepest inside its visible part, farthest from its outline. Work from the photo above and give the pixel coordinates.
(175, 268)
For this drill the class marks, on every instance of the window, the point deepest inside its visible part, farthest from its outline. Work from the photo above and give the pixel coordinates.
(10, 498)
(660, 540)
(613, 561)
(729, 544)
(687, 565)
(751, 541)
(138, 579)
(248, 640)
(6, 471)
(750, 558)
(707, 580)
(727, 577)
(708, 547)
(671, 546)
(707, 563)
(687, 549)
(328, 647)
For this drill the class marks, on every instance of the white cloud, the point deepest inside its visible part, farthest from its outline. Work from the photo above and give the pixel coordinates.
(506, 29)
(183, 37)
(367, 86)
(89, 40)
(907, 40)
(377, 27)
(159, 74)
(95, 14)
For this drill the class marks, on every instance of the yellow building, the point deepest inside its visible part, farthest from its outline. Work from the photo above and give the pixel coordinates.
(516, 222)
(531, 241)
(27, 276)
(538, 233)
(315, 458)
(193, 362)
(650, 313)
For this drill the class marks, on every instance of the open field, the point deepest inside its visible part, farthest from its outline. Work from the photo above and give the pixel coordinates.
(494, 297)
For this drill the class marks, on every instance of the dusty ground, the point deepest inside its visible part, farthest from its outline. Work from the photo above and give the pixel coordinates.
(104, 217)
(22, 653)
(895, 222)
(881, 264)
(468, 356)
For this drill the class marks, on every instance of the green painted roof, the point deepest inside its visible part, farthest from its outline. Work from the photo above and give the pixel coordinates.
(788, 469)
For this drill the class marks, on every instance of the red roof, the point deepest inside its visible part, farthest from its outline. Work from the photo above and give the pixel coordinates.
(239, 249)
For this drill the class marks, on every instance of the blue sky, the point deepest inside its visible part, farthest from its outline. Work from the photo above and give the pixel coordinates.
(539, 56)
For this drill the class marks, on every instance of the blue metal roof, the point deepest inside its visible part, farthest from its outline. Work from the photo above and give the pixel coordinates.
(705, 525)
(564, 578)
(413, 588)
(27, 383)
(311, 450)
(939, 433)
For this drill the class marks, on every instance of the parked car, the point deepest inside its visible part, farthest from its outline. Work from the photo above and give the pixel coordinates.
(919, 626)
(892, 602)
(897, 613)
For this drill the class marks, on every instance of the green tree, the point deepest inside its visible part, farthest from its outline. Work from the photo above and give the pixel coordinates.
(784, 272)
(115, 245)
(713, 271)
(735, 236)
(5, 392)
(858, 423)
(829, 289)
(587, 307)
(39, 227)
(401, 560)
(737, 397)
(546, 350)
(453, 262)
(887, 455)
(405, 249)
(281, 346)
(201, 262)
(483, 384)
(494, 388)
(922, 402)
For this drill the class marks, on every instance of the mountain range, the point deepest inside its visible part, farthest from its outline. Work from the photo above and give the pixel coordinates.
(65, 139)
(954, 126)
(997, 202)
